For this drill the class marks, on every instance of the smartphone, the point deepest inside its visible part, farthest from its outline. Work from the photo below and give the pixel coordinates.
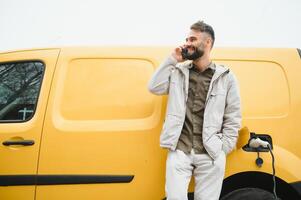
(184, 53)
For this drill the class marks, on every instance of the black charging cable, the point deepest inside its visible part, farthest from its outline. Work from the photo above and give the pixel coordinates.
(273, 166)
(256, 142)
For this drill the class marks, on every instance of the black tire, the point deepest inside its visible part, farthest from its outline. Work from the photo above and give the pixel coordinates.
(249, 194)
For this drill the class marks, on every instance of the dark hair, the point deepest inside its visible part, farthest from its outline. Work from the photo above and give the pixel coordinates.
(203, 27)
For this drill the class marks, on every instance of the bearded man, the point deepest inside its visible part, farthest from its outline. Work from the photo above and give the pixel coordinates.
(202, 119)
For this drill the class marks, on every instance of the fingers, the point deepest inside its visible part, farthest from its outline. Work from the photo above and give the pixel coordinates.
(178, 50)
(177, 53)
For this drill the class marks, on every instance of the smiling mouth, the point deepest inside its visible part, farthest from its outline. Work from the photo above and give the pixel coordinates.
(191, 49)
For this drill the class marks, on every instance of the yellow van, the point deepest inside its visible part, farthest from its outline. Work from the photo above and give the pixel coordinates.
(79, 123)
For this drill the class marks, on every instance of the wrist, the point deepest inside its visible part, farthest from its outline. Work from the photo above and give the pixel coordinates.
(172, 60)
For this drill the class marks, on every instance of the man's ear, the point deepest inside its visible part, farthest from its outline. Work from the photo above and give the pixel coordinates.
(209, 42)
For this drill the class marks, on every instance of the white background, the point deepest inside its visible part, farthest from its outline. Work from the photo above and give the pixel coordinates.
(244, 23)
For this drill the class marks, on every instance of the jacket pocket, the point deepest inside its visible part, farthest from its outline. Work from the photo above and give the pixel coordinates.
(214, 144)
(218, 98)
(171, 130)
(216, 108)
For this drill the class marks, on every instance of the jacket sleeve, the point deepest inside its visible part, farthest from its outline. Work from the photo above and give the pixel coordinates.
(159, 82)
(232, 116)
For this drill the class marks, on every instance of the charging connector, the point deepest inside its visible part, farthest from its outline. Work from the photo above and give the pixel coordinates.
(255, 143)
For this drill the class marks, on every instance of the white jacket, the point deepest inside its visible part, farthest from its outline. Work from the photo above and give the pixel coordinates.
(222, 114)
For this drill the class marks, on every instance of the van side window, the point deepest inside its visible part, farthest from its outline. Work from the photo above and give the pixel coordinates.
(107, 89)
(19, 90)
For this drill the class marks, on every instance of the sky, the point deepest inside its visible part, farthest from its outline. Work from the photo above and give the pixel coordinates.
(237, 23)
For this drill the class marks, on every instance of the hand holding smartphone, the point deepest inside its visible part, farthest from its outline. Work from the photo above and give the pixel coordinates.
(178, 53)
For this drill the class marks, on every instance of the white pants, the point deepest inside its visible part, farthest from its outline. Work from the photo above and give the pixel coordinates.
(208, 175)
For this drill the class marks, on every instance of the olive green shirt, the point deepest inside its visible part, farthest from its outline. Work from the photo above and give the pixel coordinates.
(191, 135)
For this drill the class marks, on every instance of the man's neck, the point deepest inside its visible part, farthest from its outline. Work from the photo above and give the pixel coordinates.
(202, 63)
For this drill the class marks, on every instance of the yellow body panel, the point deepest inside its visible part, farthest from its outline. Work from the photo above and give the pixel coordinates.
(101, 120)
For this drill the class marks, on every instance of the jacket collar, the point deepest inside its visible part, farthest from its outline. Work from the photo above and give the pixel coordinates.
(210, 66)
(185, 66)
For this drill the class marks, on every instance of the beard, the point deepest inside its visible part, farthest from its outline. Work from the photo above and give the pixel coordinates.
(196, 53)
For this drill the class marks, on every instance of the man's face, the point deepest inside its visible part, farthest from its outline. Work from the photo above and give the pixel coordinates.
(196, 44)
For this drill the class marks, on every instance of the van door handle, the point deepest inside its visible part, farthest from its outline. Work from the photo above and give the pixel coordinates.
(20, 142)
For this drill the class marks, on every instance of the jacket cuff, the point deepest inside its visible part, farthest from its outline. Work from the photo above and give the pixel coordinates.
(170, 60)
